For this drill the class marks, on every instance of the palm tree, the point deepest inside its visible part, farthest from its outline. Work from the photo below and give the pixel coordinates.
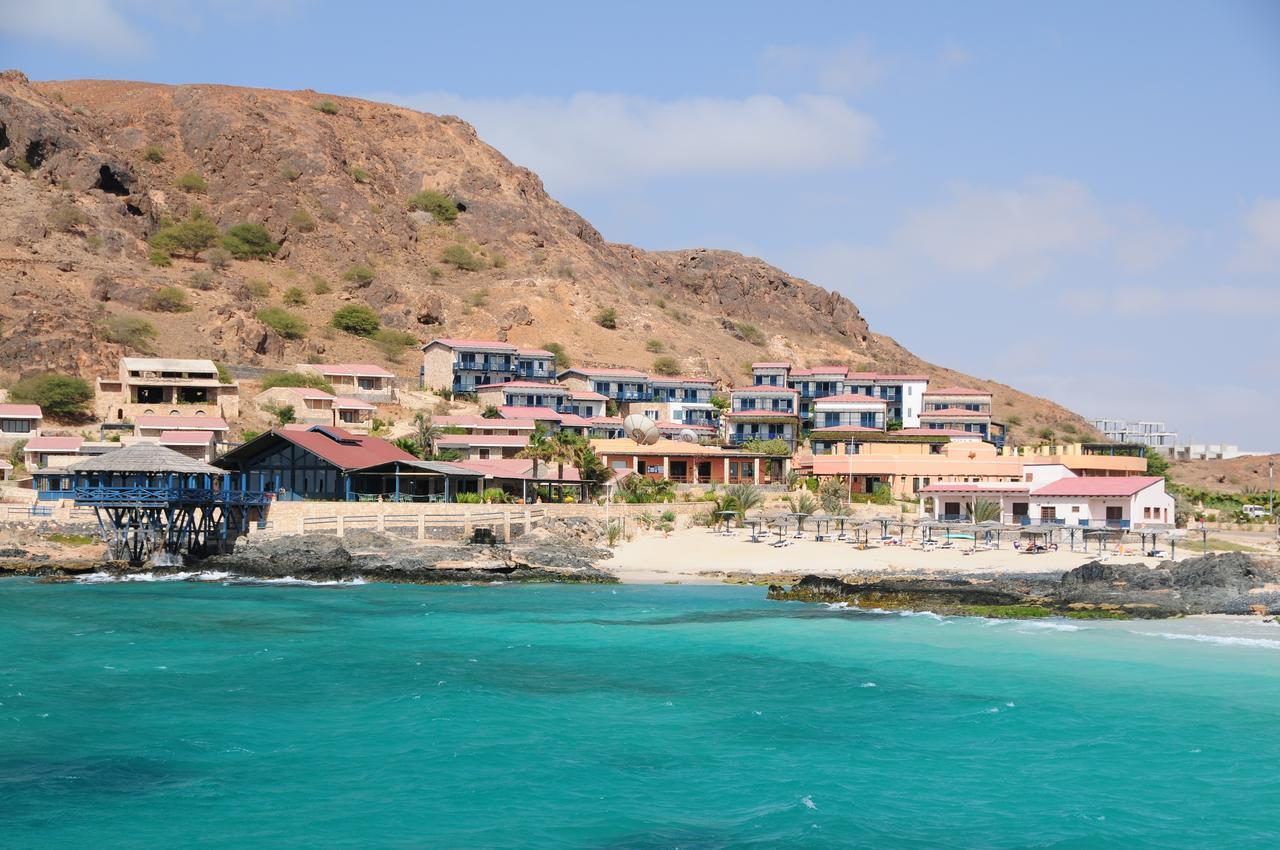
(539, 450)
(426, 434)
(743, 497)
(984, 510)
(408, 444)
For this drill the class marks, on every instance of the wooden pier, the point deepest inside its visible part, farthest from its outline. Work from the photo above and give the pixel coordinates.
(155, 504)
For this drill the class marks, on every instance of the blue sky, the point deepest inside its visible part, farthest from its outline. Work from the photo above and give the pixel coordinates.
(1082, 201)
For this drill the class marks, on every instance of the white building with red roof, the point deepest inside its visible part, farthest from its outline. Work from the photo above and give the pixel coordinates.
(763, 412)
(19, 422)
(850, 409)
(366, 381)
(903, 394)
(1118, 502)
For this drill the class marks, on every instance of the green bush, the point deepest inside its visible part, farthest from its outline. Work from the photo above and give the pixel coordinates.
(494, 495)
(201, 280)
(461, 257)
(224, 374)
(563, 361)
(607, 318)
(290, 173)
(296, 379)
(153, 153)
(358, 174)
(750, 333)
(356, 319)
(666, 365)
(320, 286)
(133, 331)
(159, 258)
(328, 107)
(168, 299)
(655, 346)
(187, 237)
(191, 182)
(60, 396)
(294, 297)
(283, 322)
(442, 208)
(217, 258)
(302, 221)
(359, 275)
(777, 448)
(249, 241)
(258, 288)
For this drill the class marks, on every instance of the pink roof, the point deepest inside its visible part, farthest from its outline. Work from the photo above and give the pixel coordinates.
(1098, 485)
(538, 414)
(936, 432)
(607, 372)
(957, 391)
(483, 440)
(54, 444)
(355, 452)
(344, 403)
(764, 389)
(976, 487)
(764, 364)
(21, 411)
(954, 413)
(847, 429)
(679, 379)
(518, 468)
(471, 420)
(184, 423)
(849, 398)
(362, 369)
(821, 370)
(573, 420)
(605, 420)
(534, 352)
(186, 438)
(525, 385)
(880, 376)
(588, 394)
(473, 343)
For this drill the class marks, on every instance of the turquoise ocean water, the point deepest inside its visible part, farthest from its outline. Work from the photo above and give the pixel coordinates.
(211, 716)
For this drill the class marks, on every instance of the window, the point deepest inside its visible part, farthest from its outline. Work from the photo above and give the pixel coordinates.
(484, 454)
(1075, 509)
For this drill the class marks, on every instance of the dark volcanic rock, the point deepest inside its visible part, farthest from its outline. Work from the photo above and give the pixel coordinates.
(922, 593)
(1205, 585)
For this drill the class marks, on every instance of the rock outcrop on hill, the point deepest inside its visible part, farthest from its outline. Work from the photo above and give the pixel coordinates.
(93, 168)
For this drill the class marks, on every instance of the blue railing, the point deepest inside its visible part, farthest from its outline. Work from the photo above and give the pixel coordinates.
(954, 517)
(137, 494)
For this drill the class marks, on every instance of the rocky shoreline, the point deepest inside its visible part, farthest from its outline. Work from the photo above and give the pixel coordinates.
(566, 554)
(1229, 583)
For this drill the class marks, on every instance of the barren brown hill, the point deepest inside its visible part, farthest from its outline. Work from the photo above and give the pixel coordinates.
(94, 168)
(1237, 475)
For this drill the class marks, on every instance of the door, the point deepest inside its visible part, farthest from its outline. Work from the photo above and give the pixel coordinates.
(1020, 513)
(1115, 515)
(1048, 514)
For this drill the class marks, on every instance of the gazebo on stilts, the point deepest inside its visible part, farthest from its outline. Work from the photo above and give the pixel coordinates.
(151, 500)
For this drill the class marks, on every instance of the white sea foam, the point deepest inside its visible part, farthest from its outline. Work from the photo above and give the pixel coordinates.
(1220, 640)
(808, 803)
(1049, 625)
(290, 581)
(110, 578)
(867, 685)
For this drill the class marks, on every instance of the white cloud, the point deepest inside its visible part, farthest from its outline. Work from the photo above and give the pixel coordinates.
(1243, 303)
(847, 69)
(93, 25)
(1260, 251)
(592, 140)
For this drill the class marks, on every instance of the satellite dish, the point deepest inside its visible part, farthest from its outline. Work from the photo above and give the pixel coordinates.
(642, 429)
(687, 436)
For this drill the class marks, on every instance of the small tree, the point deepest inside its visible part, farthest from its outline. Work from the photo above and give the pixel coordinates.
(563, 360)
(655, 346)
(187, 237)
(1157, 463)
(284, 323)
(249, 241)
(356, 319)
(666, 365)
(59, 396)
(284, 414)
(294, 297)
(133, 331)
(442, 208)
(459, 256)
(607, 318)
(320, 286)
(67, 218)
(491, 412)
(217, 258)
(359, 275)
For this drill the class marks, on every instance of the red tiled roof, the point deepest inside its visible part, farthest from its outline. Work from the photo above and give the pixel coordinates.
(538, 414)
(588, 394)
(605, 420)
(186, 438)
(474, 421)
(849, 398)
(880, 376)
(304, 392)
(573, 420)
(54, 444)
(955, 412)
(821, 370)
(534, 352)
(473, 343)
(21, 411)
(1098, 485)
(527, 385)
(957, 391)
(759, 414)
(184, 423)
(360, 369)
(354, 452)
(976, 487)
(518, 468)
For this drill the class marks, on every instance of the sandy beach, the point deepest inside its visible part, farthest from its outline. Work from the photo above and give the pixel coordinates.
(697, 555)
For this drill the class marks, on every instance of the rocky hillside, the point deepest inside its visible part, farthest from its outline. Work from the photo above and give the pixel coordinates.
(94, 168)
